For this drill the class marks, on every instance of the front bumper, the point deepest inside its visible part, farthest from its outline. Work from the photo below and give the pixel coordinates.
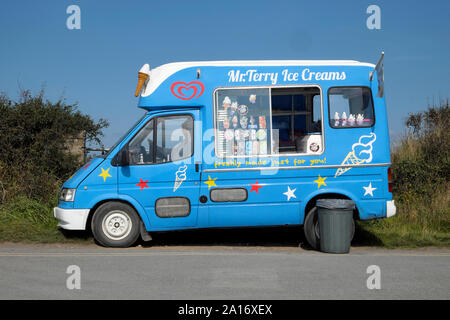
(71, 219)
(391, 209)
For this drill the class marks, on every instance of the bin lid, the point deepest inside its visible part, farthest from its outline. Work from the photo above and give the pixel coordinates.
(336, 204)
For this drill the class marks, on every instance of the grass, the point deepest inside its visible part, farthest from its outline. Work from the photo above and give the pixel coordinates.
(421, 220)
(27, 220)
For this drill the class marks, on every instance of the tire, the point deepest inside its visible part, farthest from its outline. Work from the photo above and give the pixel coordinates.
(311, 229)
(115, 224)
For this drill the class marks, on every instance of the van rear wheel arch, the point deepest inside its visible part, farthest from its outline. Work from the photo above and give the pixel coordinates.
(312, 203)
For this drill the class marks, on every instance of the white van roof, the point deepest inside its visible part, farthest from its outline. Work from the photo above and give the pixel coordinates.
(161, 73)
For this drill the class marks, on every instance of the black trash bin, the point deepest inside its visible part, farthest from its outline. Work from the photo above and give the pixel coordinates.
(335, 224)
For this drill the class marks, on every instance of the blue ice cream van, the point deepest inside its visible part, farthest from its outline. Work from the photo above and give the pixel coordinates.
(239, 144)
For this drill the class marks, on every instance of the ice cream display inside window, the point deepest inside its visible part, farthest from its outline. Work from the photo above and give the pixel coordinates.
(351, 120)
(360, 119)
(242, 127)
(226, 102)
(351, 106)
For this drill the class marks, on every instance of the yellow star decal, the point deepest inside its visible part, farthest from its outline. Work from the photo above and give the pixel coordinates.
(211, 182)
(105, 174)
(320, 182)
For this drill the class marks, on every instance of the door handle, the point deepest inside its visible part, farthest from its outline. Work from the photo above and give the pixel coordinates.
(197, 166)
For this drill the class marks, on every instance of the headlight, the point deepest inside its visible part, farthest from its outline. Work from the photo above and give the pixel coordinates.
(67, 195)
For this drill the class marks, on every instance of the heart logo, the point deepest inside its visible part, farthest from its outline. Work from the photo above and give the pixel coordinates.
(187, 91)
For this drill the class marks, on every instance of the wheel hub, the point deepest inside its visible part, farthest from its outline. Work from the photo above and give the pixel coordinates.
(116, 225)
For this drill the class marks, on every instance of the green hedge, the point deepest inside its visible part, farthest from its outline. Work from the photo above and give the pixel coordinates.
(33, 159)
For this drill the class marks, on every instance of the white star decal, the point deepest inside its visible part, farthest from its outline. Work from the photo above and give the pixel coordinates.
(290, 194)
(369, 189)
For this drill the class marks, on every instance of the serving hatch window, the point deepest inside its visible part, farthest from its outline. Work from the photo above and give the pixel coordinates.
(350, 107)
(268, 121)
(296, 119)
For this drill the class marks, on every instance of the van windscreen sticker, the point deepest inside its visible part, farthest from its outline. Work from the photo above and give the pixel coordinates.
(361, 153)
(187, 91)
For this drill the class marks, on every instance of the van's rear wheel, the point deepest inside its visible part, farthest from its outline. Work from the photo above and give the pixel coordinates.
(115, 224)
(311, 229)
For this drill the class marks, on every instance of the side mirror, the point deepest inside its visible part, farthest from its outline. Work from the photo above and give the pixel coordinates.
(124, 157)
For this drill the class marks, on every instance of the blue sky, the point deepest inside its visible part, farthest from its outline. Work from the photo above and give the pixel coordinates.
(97, 65)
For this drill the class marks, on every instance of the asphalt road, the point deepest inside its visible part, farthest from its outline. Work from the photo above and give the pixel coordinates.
(219, 272)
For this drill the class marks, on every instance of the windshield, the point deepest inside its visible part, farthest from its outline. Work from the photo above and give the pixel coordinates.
(123, 136)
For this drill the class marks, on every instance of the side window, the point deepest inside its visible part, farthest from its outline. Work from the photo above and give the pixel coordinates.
(163, 139)
(350, 107)
(174, 138)
(141, 146)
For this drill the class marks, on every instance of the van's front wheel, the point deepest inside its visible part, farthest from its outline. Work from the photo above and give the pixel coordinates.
(311, 228)
(115, 224)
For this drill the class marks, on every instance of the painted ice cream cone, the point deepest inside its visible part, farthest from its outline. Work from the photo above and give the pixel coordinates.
(180, 176)
(350, 159)
(361, 153)
(177, 184)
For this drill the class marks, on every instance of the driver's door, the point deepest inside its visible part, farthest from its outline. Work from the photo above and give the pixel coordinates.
(161, 174)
